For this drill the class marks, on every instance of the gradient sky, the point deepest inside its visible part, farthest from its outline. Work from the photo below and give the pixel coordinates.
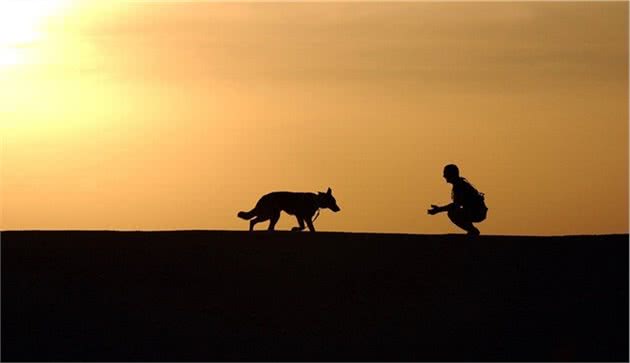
(159, 115)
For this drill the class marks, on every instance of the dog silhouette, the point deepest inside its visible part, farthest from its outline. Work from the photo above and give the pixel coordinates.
(302, 205)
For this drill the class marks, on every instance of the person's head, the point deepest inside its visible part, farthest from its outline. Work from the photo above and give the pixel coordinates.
(451, 173)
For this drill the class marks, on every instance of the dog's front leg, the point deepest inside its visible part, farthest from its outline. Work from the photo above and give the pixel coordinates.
(309, 222)
(300, 222)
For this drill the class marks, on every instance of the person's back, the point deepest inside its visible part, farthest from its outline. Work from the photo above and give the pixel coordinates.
(465, 195)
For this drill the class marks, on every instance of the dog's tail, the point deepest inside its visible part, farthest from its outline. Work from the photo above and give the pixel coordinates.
(246, 215)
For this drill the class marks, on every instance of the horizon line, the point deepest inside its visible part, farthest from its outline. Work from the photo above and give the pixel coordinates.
(627, 234)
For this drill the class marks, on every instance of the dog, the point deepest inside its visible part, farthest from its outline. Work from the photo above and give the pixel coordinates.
(302, 205)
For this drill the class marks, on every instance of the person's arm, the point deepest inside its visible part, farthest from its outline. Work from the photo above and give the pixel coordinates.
(437, 209)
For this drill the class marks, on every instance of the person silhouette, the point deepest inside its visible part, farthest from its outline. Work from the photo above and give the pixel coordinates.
(468, 204)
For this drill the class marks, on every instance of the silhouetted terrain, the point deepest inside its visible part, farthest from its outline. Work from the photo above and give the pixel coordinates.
(212, 295)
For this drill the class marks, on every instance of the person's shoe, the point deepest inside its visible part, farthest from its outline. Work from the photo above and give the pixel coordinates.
(473, 232)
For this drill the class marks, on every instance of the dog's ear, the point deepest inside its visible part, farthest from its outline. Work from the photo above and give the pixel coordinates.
(329, 192)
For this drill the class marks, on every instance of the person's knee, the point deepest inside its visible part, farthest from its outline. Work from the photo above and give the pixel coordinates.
(453, 214)
(459, 216)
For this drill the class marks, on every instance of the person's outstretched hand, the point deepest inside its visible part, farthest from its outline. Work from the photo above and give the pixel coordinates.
(434, 209)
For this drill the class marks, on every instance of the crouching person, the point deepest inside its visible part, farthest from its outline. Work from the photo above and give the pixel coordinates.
(468, 204)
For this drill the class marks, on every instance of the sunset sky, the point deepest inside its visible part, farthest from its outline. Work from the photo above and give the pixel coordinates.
(177, 115)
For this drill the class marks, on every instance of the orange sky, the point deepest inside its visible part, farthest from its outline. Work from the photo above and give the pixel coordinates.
(157, 115)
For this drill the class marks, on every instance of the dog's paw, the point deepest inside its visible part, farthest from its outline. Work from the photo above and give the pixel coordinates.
(296, 229)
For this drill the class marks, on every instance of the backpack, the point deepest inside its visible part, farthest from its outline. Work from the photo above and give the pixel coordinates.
(471, 197)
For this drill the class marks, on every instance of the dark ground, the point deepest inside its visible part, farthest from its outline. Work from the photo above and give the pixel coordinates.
(225, 296)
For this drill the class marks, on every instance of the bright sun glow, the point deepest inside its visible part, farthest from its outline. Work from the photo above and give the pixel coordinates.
(22, 25)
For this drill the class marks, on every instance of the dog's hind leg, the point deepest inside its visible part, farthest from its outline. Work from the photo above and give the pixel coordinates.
(274, 219)
(253, 222)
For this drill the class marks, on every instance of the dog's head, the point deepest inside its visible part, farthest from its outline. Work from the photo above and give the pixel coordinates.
(326, 200)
